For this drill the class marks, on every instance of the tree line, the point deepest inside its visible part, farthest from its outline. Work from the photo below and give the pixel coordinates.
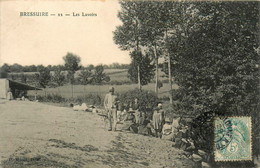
(57, 75)
(16, 68)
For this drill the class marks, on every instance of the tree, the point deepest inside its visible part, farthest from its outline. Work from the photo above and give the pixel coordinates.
(16, 68)
(146, 70)
(90, 67)
(30, 68)
(72, 65)
(99, 76)
(5, 68)
(216, 62)
(153, 31)
(85, 77)
(43, 77)
(143, 26)
(128, 35)
(3, 73)
(58, 77)
(72, 62)
(39, 68)
(217, 66)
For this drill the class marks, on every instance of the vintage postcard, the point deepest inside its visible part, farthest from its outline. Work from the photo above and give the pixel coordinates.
(135, 84)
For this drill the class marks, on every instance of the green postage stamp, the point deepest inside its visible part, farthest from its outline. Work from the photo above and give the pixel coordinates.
(232, 139)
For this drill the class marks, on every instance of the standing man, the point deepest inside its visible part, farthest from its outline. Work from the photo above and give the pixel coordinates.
(110, 104)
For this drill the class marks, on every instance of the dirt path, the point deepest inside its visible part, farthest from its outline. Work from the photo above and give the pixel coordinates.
(38, 135)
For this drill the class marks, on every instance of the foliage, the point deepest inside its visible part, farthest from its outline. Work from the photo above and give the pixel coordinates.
(145, 25)
(213, 49)
(99, 76)
(28, 68)
(216, 67)
(58, 78)
(215, 60)
(43, 77)
(5, 68)
(128, 34)
(72, 62)
(16, 68)
(72, 65)
(147, 100)
(34, 68)
(3, 73)
(146, 70)
(85, 76)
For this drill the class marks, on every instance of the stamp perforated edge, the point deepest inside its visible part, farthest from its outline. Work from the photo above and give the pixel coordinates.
(250, 141)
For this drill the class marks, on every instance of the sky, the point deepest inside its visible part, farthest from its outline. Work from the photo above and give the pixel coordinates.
(28, 40)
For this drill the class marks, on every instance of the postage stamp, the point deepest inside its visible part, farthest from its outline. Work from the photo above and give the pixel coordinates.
(232, 139)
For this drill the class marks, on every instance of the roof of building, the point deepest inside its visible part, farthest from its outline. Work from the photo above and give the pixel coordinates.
(22, 86)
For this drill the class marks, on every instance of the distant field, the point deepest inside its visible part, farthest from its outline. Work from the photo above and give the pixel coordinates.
(114, 71)
(121, 74)
(101, 90)
(115, 75)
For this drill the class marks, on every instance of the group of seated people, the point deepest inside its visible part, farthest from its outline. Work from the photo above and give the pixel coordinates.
(158, 124)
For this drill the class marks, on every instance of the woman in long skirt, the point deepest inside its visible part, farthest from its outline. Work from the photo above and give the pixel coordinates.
(157, 122)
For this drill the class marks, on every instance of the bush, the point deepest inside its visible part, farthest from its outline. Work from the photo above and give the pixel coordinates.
(147, 100)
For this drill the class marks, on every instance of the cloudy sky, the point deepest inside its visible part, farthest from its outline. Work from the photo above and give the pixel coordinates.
(36, 40)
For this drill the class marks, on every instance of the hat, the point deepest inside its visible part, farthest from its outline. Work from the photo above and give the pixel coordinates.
(160, 105)
(111, 89)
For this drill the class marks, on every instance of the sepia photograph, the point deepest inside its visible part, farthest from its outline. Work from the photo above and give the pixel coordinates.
(129, 84)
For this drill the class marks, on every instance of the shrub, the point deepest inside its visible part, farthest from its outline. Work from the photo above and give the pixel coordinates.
(147, 100)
